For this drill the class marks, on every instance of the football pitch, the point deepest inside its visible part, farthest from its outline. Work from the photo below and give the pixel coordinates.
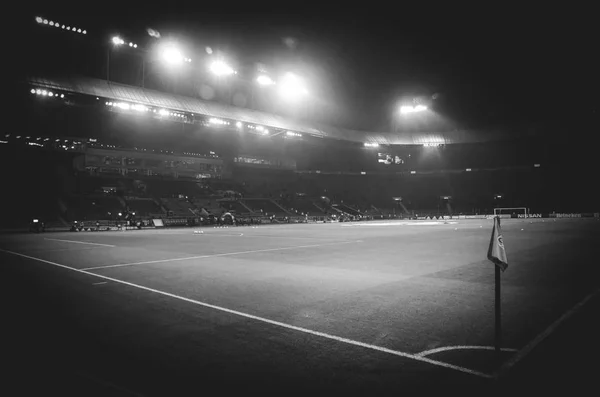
(370, 308)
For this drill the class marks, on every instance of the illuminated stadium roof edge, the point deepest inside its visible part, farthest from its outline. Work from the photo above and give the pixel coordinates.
(142, 96)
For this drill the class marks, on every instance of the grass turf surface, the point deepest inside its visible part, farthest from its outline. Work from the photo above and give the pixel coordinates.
(405, 287)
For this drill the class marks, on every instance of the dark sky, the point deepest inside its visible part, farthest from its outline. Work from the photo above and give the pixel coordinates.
(487, 67)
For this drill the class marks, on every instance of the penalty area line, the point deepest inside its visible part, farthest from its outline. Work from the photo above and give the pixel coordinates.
(263, 319)
(461, 347)
(217, 255)
(521, 354)
(78, 242)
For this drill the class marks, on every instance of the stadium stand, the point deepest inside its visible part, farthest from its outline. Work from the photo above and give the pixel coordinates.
(304, 205)
(86, 173)
(143, 206)
(210, 205)
(236, 206)
(267, 206)
(172, 188)
(93, 207)
(178, 206)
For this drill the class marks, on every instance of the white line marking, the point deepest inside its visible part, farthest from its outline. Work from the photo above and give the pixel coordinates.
(287, 237)
(215, 255)
(221, 234)
(540, 338)
(100, 283)
(65, 249)
(461, 347)
(402, 224)
(78, 242)
(266, 320)
(266, 236)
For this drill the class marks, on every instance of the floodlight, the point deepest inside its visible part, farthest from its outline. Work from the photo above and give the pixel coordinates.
(32, 91)
(238, 124)
(163, 112)
(292, 87)
(172, 55)
(220, 68)
(116, 40)
(139, 108)
(264, 80)
(39, 19)
(412, 109)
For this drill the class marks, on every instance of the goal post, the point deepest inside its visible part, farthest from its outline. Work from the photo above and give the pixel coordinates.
(510, 211)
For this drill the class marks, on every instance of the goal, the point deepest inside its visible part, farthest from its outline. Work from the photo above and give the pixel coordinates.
(510, 211)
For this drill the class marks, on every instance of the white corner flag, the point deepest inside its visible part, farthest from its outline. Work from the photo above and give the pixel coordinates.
(496, 252)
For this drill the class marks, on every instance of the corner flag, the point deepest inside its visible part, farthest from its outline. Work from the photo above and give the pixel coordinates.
(496, 252)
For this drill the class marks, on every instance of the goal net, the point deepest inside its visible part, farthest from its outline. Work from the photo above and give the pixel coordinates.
(510, 211)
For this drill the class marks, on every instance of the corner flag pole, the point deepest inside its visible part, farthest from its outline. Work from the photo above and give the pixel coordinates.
(497, 255)
(498, 339)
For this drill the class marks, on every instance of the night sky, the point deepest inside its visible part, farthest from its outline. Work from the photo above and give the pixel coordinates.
(484, 67)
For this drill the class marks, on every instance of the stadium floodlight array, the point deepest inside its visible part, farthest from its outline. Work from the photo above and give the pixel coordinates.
(144, 109)
(116, 40)
(412, 109)
(172, 55)
(264, 80)
(432, 144)
(368, 144)
(42, 92)
(221, 68)
(292, 87)
(292, 133)
(216, 121)
(172, 114)
(128, 106)
(56, 24)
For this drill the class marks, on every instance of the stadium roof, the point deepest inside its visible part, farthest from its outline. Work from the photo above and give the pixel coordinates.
(121, 92)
